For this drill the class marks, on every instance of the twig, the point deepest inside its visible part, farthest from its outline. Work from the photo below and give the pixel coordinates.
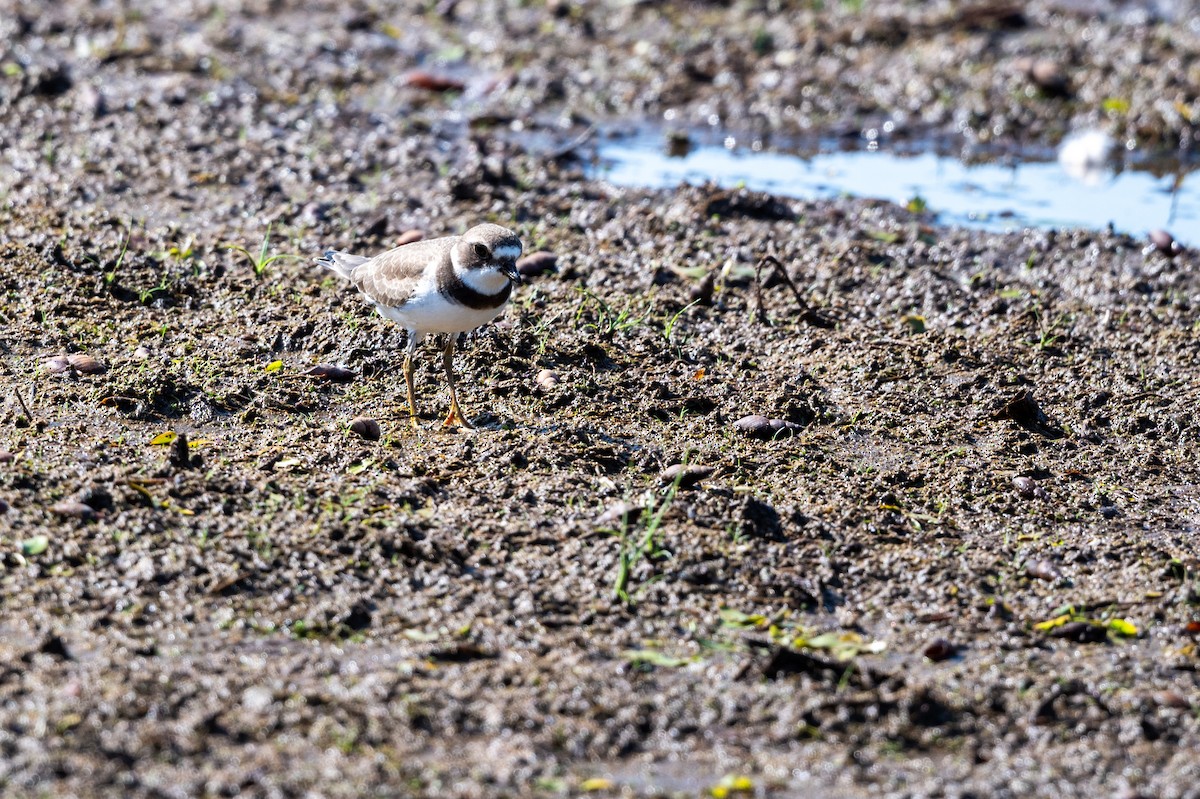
(24, 407)
(807, 313)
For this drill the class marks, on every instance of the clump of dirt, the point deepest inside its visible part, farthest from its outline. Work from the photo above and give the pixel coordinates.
(955, 555)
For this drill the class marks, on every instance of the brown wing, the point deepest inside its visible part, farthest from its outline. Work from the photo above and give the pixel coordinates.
(390, 278)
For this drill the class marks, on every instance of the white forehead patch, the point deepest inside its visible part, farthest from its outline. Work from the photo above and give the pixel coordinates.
(507, 252)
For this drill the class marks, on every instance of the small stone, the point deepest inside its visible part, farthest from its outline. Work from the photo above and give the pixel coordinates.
(365, 427)
(408, 237)
(57, 364)
(1172, 699)
(1048, 76)
(72, 507)
(687, 476)
(702, 292)
(336, 374)
(754, 425)
(1028, 488)
(780, 426)
(939, 650)
(757, 426)
(1082, 632)
(85, 364)
(1043, 570)
(5, 456)
(256, 699)
(547, 379)
(1165, 243)
(619, 513)
(429, 81)
(537, 263)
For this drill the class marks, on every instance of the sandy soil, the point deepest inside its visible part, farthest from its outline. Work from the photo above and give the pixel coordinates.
(963, 563)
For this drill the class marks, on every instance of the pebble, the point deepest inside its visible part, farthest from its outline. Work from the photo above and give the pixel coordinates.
(619, 512)
(432, 82)
(366, 427)
(547, 379)
(57, 365)
(1082, 632)
(940, 649)
(257, 699)
(1043, 570)
(1165, 243)
(687, 476)
(757, 426)
(1028, 488)
(85, 364)
(337, 374)
(72, 507)
(537, 263)
(409, 236)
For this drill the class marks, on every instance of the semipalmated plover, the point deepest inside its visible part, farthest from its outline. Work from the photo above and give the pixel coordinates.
(447, 285)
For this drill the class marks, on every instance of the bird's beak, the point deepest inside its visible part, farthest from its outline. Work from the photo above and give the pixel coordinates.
(509, 270)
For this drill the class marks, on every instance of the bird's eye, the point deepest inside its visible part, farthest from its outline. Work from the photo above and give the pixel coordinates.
(481, 250)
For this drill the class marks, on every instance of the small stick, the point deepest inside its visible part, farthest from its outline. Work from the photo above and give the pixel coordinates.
(24, 407)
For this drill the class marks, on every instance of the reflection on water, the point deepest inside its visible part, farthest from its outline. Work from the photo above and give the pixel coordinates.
(1027, 190)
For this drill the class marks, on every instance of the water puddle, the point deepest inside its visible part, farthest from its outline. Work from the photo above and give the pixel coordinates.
(1090, 183)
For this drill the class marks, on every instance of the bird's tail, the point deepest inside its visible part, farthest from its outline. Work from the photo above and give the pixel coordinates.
(341, 262)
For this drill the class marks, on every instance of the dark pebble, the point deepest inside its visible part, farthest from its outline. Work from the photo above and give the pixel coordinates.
(1082, 632)
(85, 364)
(687, 476)
(537, 263)
(338, 374)
(619, 513)
(408, 237)
(366, 427)
(1165, 243)
(757, 426)
(1028, 488)
(71, 507)
(58, 364)
(431, 82)
(1043, 570)
(939, 650)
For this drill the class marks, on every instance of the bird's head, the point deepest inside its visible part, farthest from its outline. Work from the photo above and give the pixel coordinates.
(486, 255)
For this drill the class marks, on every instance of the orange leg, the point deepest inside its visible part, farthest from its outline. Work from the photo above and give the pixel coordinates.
(456, 414)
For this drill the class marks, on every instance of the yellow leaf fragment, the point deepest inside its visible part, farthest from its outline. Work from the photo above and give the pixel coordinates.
(274, 366)
(731, 784)
(596, 784)
(1050, 624)
(162, 439)
(1122, 627)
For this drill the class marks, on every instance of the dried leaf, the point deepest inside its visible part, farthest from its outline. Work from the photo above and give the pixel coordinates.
(162, 439)
(652, 657)
(732, 617)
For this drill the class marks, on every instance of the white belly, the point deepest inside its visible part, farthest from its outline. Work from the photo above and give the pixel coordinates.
(433, 313)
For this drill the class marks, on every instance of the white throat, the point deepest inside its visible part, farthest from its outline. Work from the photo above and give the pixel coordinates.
(485, 281)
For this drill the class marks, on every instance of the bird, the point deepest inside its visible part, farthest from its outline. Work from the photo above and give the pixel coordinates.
(445, 285)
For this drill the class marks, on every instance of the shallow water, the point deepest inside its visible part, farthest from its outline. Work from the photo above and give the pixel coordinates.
(1014, 191)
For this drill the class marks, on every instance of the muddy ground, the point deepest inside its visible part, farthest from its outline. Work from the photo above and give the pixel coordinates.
(967, 566)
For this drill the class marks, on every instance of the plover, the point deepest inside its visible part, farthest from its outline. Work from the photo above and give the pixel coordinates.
(447, 285)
